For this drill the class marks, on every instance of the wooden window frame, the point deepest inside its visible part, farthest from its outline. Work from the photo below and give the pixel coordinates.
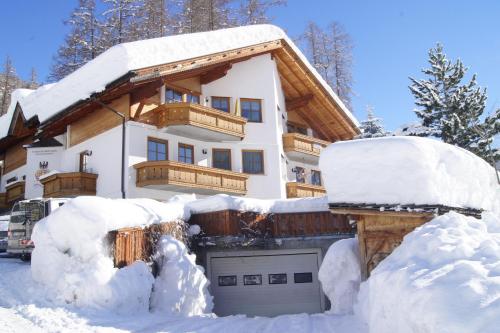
(230, 157)
(252, 100)
(253, 151)
(320, 180)
(221, 97)
(180, 144)
(157, 140)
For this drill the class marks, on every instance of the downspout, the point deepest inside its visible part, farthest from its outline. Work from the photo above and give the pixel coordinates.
(124, 119)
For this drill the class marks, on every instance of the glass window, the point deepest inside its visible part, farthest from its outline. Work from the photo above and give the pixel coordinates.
(157, 150)
(303, 277)
(252, 110)
(300, 175)
(253, 162)
(277, 278)
(221, 103)
(316, 177)
(221, 158)
(172, 96)
(192, 98)
(227, 280)
(186, 153)
(252, 280)
(295, 128)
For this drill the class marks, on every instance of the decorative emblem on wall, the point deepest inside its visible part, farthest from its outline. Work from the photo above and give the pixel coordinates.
(43, 169)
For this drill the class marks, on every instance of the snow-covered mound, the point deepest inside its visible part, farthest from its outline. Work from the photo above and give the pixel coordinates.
(181, 287)
(340, 275)
(71, 260)
(444, 277)
(408, 170)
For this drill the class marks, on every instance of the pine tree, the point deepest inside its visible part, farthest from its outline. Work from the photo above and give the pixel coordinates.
(67, 60)
(255, 11)
(371, 127)
(315, 45)
(33, 82)
(154, 19)
(205, 15)
(122, 21)
(453, 110)
(8, 82)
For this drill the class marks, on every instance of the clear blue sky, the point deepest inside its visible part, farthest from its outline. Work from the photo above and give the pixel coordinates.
(391, 40)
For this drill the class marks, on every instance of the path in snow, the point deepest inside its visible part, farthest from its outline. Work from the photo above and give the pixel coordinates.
(24, 308)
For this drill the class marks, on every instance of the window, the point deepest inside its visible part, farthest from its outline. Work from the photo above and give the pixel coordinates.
(296, 128)
(186, 153)
(221, 103)
(190, 98)
(227, 280)
(157, 149)
(303, 277)
(83, 163)
(253, 161)
(251, 109)
(277, 278)
(300, 175)
(221, 159)
(172, 96)
(252, 280)
(316, 177)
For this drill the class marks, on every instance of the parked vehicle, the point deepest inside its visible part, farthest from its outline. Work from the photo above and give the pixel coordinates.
(4, 227)
(24, 215)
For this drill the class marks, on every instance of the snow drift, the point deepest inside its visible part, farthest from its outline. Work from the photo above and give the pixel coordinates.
(444, 277)
(340, 275)
(408, 170)
(181, 287)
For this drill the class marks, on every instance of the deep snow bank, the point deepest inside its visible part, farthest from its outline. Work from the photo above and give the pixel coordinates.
(444, 277)
(71, 259)
(340, 275)
(181, 287)
(408, 170)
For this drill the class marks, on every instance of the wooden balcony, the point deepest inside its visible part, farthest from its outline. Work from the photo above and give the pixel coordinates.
(182, 177)
(303, 148)
(14, 191)
(70, 184)
(303, 190)
(200, 122)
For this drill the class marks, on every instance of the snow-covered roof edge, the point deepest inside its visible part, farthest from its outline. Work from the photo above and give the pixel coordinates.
(16, 97)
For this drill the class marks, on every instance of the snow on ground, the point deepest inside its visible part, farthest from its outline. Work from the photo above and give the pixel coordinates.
(408, 170)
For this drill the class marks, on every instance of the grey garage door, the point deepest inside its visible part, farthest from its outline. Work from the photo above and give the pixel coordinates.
(266, 283)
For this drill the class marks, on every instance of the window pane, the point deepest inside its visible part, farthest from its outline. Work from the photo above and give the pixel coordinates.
(157, 151)
(161, 148)
(252, 162)
(316, 177)
(186, 154)
(173, 96)
(222, 159)
(277, 278)
(251, 110)
(252, 280)
(220, 103)
(302, 277)
(151, 145)
(300, 175)
(161, 157)
(227, 280)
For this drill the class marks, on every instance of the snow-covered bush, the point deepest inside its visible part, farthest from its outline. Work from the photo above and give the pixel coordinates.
(444, 277)
(181, 287)
(340, 275)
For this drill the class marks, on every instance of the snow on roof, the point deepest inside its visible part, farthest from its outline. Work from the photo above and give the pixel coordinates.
(17, 95)
(408, 170)
(93, 77)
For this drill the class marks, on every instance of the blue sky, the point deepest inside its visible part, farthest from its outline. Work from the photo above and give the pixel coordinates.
(391, 40)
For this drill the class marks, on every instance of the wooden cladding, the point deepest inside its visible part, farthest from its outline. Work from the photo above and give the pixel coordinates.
(14, 191)
(235, 223)
(3, 201)
(170, 175)
(98, 121)
(69, 184)
(303, 190)
(15, 156)
(304, 144)
(200, 116)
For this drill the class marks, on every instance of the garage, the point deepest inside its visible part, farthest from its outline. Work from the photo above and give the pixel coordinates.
(265, 283)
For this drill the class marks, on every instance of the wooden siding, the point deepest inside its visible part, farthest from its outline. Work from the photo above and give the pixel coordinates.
(164, 173)
(303, 190)
(69, 184)
(201, 116)
(98, 121)
(3, 201)
(235, 223)
(299, 143)
(15, 156)
(140, 108)
(14, 191)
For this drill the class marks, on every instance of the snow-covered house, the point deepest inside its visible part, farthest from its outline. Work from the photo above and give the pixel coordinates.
(238, 111)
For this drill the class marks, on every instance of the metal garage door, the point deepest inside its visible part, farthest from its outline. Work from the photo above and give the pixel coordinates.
(266, 283)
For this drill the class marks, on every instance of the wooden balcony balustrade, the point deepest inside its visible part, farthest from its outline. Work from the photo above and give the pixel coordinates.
(14, 191)
(183, 177)
(303, 148)
(200, 122)
(303, 190)
(70, 184)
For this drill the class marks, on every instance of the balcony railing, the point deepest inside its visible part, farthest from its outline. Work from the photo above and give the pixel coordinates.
(70, 184)
(14, 191)
(303, 190)
(183, 177)
(200, 122)
(303, 148)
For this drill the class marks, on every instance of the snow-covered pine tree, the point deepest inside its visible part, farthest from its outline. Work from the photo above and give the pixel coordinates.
(205, 15)
(121, 21)
(67, 60)
(154, 19)
(256, 11)
(315, 44)
(371, 127)
(453, 110)
(8, 82)
(33, 81)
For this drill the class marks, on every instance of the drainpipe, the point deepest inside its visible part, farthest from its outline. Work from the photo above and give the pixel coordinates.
(122, 116)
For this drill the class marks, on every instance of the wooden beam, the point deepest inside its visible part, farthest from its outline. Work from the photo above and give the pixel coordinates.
(300, 102)
(215, 74)
(145, 91)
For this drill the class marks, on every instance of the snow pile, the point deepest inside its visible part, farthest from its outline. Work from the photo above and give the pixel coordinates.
(444, 277)
(71, 260)
(408, 170)
(181, 287)
(340, 275)
(263, 206)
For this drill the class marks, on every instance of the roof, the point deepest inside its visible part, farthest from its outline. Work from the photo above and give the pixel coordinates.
(17, 96)
(44, 143)
(120, 60)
